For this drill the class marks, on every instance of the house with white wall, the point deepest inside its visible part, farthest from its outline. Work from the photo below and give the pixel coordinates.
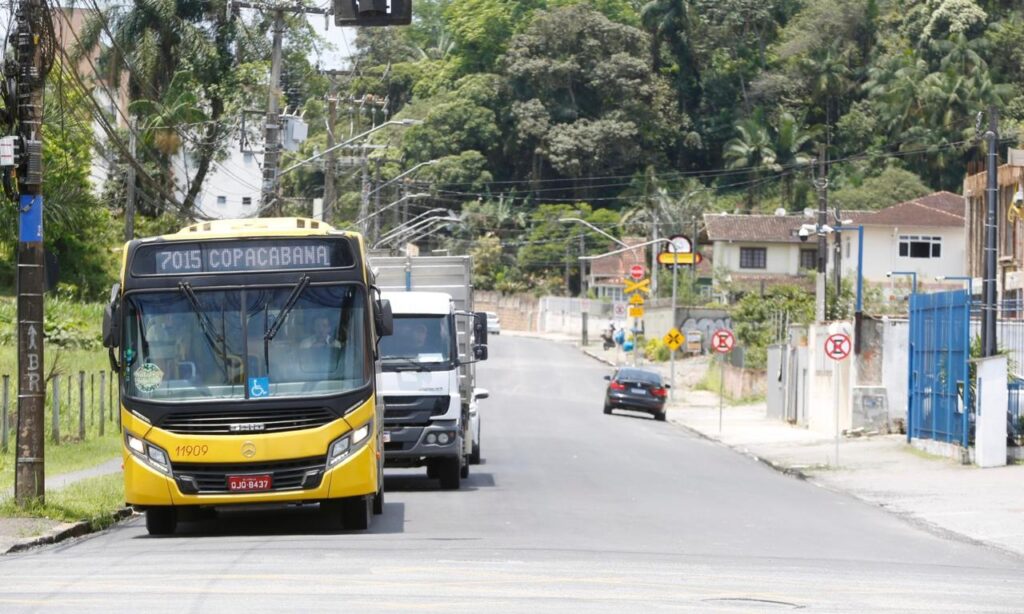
(755, 250)
(925, 235)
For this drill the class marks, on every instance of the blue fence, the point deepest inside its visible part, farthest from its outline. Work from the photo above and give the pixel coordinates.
(940, 392)
(1014, 418)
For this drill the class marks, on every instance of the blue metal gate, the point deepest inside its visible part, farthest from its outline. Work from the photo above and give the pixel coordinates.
(940, 349)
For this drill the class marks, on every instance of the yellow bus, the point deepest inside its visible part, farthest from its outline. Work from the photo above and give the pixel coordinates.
(248, 372)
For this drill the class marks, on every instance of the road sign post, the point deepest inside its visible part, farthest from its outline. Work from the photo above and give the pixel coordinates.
(722, 341)
(837, 347)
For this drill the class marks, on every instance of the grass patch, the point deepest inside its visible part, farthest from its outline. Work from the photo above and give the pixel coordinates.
(96, 500)
(67, 457)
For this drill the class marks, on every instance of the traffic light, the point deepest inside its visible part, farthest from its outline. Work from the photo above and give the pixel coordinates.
(372, 12)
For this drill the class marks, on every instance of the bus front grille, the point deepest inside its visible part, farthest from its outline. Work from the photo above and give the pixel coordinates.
(242, 421)
(205, 478)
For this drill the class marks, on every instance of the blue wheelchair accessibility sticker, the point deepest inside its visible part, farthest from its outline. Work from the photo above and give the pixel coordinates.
(259, 387)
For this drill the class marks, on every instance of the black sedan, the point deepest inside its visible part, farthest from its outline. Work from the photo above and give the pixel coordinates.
(638, 390)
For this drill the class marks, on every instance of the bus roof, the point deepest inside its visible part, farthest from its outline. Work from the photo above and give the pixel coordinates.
(255, 227)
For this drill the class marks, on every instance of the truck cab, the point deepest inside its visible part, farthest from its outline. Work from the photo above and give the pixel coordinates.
(428, 421)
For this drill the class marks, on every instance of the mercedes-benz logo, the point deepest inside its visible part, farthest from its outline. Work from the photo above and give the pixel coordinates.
(248, 449)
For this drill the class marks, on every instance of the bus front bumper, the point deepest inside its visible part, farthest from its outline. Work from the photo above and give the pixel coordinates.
(354, 476)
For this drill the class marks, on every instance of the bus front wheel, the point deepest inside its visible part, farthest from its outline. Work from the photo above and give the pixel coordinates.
(356, 513)
(161, 520)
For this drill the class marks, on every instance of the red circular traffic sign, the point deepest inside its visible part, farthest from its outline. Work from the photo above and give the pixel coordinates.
(722, 341)
(636, 271)
(837, 346)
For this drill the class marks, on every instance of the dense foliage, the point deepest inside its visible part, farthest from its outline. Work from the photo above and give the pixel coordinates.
(621, 104)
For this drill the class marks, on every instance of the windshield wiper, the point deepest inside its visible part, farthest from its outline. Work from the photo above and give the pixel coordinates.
(286, 309)
(216, 341)
(417, 365)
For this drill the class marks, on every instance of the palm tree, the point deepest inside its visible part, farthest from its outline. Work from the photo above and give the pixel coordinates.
(161, 119)
(669, 21)
(151, 41)
(792, 145)
(752, 149)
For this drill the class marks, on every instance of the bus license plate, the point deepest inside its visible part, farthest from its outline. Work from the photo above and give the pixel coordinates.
(249, 483)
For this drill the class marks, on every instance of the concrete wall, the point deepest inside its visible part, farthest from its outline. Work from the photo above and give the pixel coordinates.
(705, 321)
(822, 403)
(743, 383)
(881, 253)
(896, 366)
(515, 311)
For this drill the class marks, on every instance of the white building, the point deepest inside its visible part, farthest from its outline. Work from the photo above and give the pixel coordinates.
(925, 235)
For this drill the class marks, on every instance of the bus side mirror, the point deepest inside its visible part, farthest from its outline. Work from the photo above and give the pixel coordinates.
(112, 319)
(385, 321)
(480, 328)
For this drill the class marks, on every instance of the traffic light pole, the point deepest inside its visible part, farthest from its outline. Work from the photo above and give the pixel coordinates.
(29, 485)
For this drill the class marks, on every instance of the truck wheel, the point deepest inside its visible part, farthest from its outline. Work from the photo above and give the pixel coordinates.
(378, 502)
(474, 456)
(432, 471)
(356, 513)
(161, 520)
(464, 470)
(450, 473)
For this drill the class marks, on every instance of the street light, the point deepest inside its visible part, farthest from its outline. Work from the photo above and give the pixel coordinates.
(913, 278)
(393, 122)
(427, 229)
(402, 175)
(592, 227)
(360, 222)
(403, 234)
(403, 227)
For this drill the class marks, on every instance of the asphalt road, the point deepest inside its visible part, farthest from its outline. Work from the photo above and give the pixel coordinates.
(571, 511)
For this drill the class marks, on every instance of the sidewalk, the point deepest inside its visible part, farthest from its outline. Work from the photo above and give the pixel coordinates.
(961, 501)
(19, 533)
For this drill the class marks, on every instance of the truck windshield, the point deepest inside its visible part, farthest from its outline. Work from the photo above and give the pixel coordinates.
(191, 345)
(418, 341)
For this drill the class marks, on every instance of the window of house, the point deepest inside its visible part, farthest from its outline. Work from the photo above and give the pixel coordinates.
(808, 258)
(222, 200)
(913, 246)
(246, 201)
(753, 257)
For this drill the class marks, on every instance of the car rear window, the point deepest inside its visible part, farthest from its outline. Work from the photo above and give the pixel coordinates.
(636, 375)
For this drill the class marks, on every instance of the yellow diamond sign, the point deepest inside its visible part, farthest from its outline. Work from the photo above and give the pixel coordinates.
(636, 299)
(673, 339)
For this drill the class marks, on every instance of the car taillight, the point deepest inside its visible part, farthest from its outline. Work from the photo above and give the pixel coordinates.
(660, 392)
(617, 386)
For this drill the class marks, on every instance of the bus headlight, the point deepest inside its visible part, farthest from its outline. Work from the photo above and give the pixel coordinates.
(152, 455)
(347, 444)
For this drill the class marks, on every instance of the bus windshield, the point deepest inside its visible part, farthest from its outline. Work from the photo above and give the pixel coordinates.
(251, 343)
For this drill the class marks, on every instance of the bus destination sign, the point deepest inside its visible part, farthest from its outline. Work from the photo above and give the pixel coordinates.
(240, 256)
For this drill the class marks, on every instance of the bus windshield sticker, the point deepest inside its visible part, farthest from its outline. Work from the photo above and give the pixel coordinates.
(148, 377)
(259, 387)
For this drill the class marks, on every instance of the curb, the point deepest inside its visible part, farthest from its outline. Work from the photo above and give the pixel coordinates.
(64, 532)
(601, 359)
(789, 471)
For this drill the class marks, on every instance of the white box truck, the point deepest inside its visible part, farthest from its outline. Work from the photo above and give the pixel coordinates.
(428, 378)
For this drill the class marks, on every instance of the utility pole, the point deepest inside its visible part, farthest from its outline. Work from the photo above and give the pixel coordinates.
(376, 197)
(988, 312)
(29, 49)
(364, 198)
(129, 207)
(822, 185)
(654, 258)
(272, 125)
(329, 168)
